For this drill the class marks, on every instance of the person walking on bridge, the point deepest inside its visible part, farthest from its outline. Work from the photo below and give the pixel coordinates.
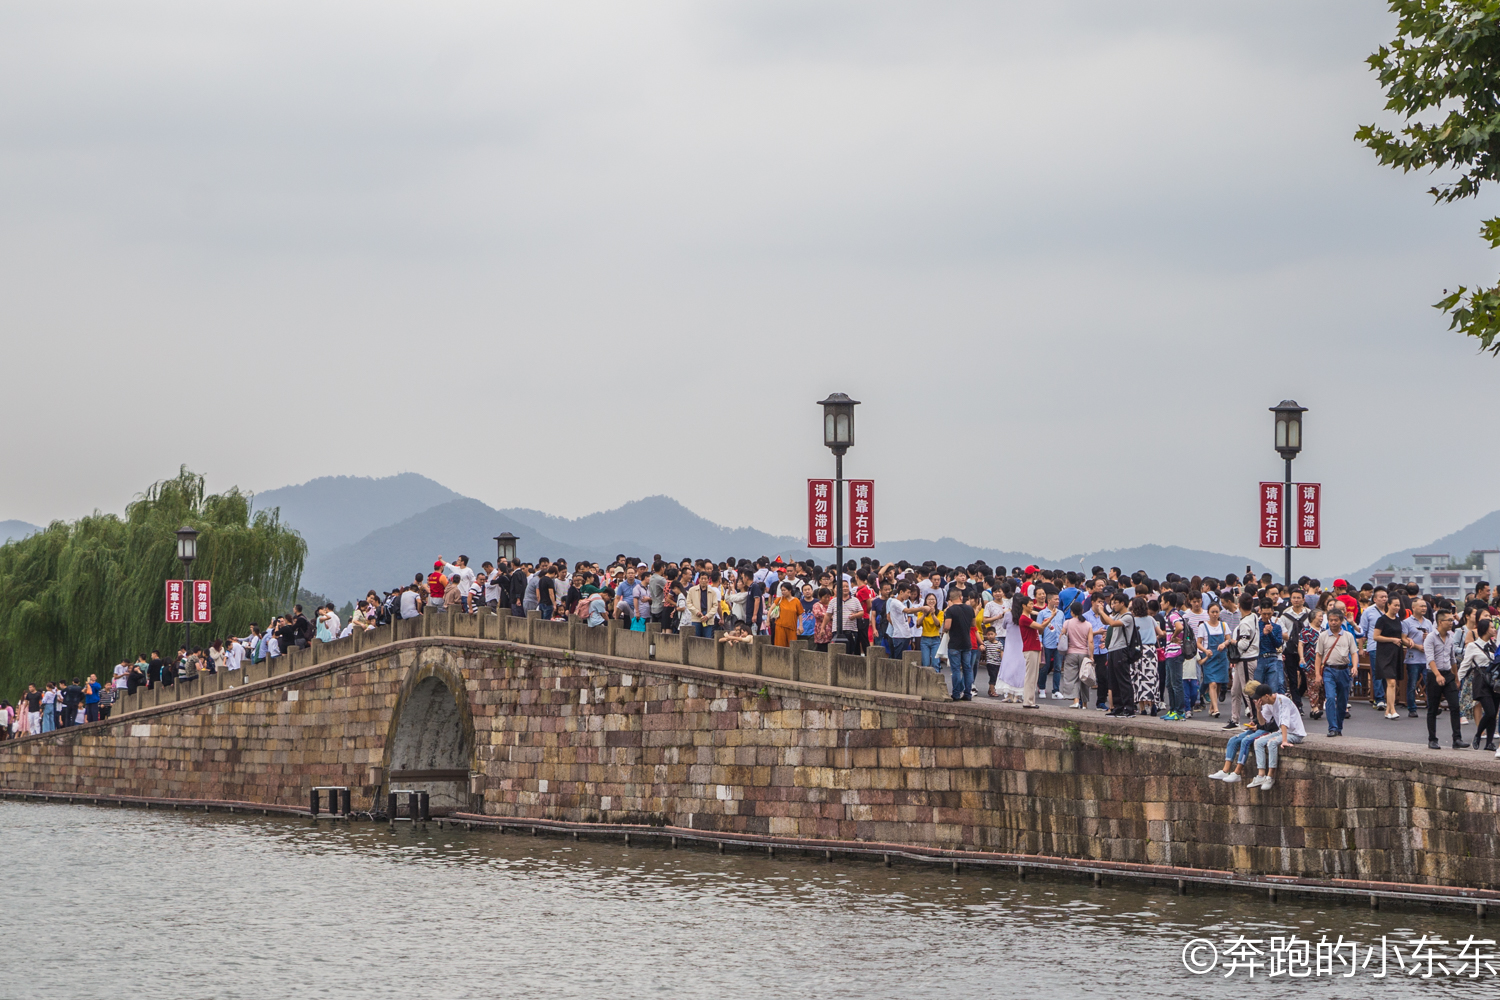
(703, 604)
(785, 614)
(1442, 681)
(958, 623)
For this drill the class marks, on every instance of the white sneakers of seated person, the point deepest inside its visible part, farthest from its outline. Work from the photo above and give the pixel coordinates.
(1263, 782)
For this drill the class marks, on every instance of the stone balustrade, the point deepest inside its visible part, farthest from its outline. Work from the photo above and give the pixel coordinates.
(799, 662)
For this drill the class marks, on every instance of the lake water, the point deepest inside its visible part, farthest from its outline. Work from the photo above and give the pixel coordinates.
(120, 903)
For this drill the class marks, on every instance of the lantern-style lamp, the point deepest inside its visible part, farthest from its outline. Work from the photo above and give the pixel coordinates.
(505, 547)
(1288, 428)
(838, 422)
(187, 545)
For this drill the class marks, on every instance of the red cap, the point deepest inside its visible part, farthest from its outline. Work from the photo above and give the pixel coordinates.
(438, 565)
(1031, 569)
(1341, 583)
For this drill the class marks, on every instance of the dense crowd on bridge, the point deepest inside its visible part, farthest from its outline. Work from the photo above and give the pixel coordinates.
(1265, 656)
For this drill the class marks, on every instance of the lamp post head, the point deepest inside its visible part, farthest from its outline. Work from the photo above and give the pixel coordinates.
(838, 422)
(187, 544)
(1288, 428)
(505, 547)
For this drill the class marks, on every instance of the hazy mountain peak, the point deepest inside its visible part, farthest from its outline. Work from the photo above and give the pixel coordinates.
(650, 525)
(336, 510)
(1481, 534)
(16, 530)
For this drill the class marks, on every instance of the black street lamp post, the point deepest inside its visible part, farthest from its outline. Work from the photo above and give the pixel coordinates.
(1288, 443)
(505, 548)
(187, 551)
(838, 435)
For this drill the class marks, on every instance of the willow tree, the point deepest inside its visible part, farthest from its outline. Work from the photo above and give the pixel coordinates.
(78, 596)
(1441, 76)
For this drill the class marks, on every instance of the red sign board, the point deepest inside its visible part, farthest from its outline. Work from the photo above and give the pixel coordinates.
(174, 601)
(1271, 513)
(1309, 515)
(203, 604)
(820, 514)
(861, 513)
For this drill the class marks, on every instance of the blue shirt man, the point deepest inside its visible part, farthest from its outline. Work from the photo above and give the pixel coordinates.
(1367, 622)
(1097, 624)
(1053, 630)
(1269, 668)
(628, 590)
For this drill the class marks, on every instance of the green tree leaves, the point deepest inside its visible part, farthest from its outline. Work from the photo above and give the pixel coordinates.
(1441, 74)
(77, 597)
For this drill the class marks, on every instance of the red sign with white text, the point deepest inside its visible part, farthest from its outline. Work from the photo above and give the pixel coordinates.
(1309, 514)
(820, 514)
(861, 513)
(203, 605)
(174, 601)
(1271, 514)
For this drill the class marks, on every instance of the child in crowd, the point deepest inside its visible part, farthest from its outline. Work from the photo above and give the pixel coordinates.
(737, 634)
(994, 651)
(1189, 682)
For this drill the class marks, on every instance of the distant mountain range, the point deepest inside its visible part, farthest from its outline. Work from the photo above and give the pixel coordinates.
(367, 533)
(16, 530)
(1157, 560)
(1482, 534)
(337, 510)
(654, 525)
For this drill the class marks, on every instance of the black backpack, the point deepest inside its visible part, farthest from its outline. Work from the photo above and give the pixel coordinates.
(1232, 644)
(1292, 638)
(1133, 640)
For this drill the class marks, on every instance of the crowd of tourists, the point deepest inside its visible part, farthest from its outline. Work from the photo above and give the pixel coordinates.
(57, 705)
(1263, 655)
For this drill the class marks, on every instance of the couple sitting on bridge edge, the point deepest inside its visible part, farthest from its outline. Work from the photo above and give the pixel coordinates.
(1280, 725)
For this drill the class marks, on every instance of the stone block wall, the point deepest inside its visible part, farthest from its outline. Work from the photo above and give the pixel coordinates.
(573, 735)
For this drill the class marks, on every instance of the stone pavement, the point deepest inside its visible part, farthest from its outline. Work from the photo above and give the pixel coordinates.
(1365, 727)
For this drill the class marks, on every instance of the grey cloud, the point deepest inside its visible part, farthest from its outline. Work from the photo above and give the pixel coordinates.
(1010, 228)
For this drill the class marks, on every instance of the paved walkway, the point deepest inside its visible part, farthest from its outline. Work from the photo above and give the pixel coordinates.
(1365, 727)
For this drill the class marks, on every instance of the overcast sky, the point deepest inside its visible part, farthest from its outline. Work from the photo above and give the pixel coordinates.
(565, 255)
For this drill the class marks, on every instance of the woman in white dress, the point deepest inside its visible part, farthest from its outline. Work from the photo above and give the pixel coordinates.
(1013, 660)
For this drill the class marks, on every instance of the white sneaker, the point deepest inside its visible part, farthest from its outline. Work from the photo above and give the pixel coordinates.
(1265, 785)
(1217, 775)
(1256, 781)
(1230, 779)
(1058, 695)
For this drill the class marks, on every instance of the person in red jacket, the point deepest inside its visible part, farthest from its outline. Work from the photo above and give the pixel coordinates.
(436, 584)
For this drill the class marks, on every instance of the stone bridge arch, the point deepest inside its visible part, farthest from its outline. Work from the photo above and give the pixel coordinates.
(430, 744)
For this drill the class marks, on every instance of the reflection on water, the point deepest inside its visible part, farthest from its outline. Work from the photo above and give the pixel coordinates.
(149, 904)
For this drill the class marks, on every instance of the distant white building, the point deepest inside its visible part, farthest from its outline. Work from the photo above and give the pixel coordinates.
(1437, 573)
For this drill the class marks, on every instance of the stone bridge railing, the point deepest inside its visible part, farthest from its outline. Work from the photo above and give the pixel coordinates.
(798, 662)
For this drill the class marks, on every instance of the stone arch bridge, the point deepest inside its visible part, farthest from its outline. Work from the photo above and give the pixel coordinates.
(509, 717)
